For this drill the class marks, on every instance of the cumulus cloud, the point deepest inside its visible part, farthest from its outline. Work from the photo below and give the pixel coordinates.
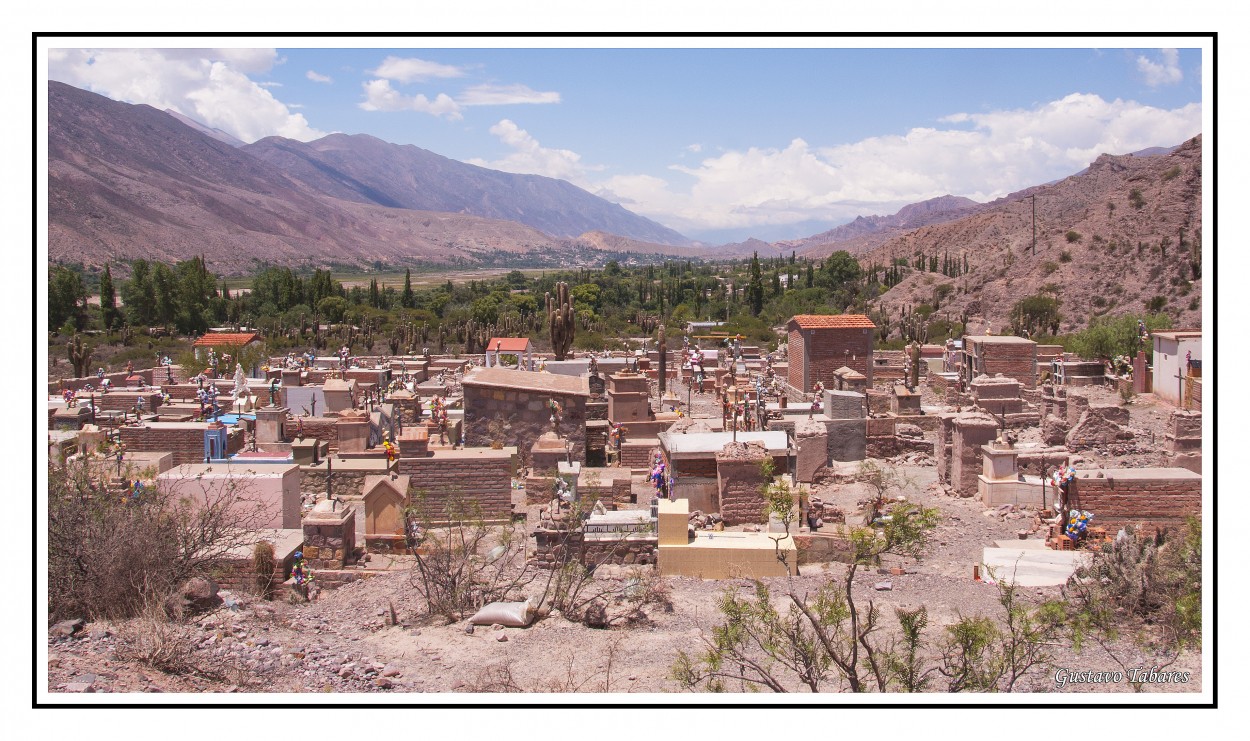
(504, 95)
(209, 85)
(380, 96)
(315, 77)
(530, 157)
(412, 69)
(1166, 71)
(978, 155)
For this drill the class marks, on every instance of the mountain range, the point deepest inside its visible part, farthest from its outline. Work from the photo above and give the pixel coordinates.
(129, 181)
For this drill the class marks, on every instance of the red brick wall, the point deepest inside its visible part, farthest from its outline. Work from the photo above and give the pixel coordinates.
(827, 349)
(798, 362)
(486, 481)
(187, 444)
(1156, 503)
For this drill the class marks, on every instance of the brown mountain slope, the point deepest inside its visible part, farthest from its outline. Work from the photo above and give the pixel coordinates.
(129, 181)
(1097, 251)
(866, 232)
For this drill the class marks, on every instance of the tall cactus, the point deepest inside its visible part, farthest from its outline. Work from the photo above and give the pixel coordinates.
(915, 366)
(560, 320)
(79, 356)
(663, 361)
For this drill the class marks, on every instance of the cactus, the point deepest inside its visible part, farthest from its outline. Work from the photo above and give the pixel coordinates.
(915, 366)
(560, 320)
(663, 362)
(79, 356)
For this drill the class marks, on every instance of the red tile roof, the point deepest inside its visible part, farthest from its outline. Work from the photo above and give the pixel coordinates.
(833, 321)
(225, 339)
(508, 344)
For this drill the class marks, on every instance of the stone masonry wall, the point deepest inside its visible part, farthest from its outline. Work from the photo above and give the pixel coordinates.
(741, 499)
(971, 432)
(485, 480)
(528, 415)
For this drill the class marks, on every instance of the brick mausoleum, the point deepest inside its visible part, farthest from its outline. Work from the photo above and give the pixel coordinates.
(820, 345)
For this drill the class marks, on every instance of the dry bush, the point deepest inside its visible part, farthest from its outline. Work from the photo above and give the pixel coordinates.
(109, 555)
(154, 639)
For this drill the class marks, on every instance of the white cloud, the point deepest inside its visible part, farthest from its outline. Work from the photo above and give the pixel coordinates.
(530, 157)
(1164, 72)
(504, 95)
(380, 96)
(310, 74)
(414, 70)
(694, 148)
(990, 155)
(209, 85)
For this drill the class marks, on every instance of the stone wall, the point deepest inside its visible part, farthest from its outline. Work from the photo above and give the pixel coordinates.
(740, 484)
(482, 477)
(1099, 426)
(330, 543)
(554, 548)
(1156, 498)
(528, 415)
(1184, 441)
(971, 431)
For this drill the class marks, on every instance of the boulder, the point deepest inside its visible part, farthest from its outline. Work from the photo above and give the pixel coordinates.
(66, 628)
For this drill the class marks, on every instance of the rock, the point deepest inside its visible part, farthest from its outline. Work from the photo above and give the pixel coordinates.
(502, 638)
(99, 634)
(79, 687)
(383, 683)
(883, 586)
(198, 595)
(66, 628)
(597, 616)
(496, 626)
(390, 670)
(468, 629)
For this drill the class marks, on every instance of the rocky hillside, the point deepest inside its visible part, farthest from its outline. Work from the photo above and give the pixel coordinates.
(867, 232)
(1109, 241)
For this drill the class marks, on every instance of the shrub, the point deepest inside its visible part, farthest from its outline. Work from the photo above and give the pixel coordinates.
(1065, 256)
(1156, 304)
(109, 555)
(1049, 267)
(1072, 236)
(1135, 198)
(1171, 172)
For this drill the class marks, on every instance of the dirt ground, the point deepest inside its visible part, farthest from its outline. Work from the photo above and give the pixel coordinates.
(343, 641)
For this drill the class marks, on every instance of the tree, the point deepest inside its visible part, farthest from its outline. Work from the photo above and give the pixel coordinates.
(67, 298)
(138, 294)
(755, 287)
(109, 315)
(1034, 314)
(407, 299)
(1144, 586)
(816, 636)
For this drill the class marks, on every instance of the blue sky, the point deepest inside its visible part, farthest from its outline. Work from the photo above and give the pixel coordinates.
(718, 143)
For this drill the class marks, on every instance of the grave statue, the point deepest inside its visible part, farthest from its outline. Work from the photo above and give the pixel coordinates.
(241, 391)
